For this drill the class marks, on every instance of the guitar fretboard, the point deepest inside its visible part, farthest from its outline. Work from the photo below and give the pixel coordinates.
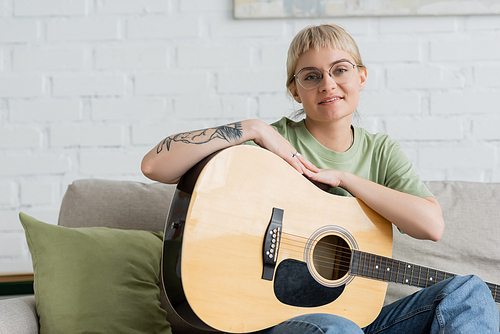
(391, 270)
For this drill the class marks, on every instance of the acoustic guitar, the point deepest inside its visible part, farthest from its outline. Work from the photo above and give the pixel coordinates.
(249, 243)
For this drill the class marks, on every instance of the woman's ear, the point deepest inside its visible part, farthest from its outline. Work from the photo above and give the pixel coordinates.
(362, 75)
(295, 94)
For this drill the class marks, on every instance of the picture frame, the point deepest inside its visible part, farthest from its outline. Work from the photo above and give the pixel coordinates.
(253, 9)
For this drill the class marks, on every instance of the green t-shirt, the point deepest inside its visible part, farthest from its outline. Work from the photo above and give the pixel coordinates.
(375, 157)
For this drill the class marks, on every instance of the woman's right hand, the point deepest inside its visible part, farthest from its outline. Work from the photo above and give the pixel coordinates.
(267, 137)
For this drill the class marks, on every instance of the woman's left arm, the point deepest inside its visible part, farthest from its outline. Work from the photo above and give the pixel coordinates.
(418, 217)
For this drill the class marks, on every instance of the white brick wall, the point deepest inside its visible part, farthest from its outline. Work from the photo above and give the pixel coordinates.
(12, 86)
(91, 28)
(50, 8)
(122, 58)
(88, 87)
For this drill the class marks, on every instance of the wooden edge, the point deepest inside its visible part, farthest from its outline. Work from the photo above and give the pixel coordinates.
(16, 277)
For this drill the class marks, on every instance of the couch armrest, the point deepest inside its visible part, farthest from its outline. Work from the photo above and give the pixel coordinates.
(18, 316)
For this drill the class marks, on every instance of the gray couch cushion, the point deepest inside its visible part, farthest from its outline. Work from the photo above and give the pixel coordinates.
(470, 241)
(18, 316)
(116, 204)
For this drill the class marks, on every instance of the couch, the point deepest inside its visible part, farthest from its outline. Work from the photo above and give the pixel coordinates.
(469, 245)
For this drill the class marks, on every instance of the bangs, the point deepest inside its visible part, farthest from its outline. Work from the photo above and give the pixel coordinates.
(324, 36)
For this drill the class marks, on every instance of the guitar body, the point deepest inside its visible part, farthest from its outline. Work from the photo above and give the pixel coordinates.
(217, 229)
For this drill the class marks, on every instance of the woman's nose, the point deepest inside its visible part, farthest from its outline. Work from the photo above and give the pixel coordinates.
(327, 83)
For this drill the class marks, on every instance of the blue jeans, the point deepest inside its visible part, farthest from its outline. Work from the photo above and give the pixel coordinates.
(462, 304)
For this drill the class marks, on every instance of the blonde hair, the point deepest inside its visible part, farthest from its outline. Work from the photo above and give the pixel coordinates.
(321, 36)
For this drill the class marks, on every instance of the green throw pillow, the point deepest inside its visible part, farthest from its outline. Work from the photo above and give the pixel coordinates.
(95, 279)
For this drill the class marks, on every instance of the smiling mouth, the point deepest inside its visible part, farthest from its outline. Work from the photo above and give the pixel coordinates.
(330, 100)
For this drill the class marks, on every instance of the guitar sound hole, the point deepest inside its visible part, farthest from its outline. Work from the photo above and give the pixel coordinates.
(332, 257)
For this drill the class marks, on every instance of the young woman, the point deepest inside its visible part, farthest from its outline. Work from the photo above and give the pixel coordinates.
(326, 75)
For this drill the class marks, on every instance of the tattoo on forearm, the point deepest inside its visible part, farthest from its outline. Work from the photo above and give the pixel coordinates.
(229, 133)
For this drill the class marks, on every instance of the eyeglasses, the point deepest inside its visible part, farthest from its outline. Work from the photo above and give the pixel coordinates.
(310, 77)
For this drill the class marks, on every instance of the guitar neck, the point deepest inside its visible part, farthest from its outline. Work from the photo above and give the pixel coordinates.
(495, 291)
(390, 270)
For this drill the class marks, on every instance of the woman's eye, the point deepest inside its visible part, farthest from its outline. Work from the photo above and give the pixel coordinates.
(311, 76)
(340, 70)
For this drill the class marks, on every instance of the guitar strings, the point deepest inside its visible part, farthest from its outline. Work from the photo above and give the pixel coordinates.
(368, 265)
(327, 262)
(323, 258)
(323, 254)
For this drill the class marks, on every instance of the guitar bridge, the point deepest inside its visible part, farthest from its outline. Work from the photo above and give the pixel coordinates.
(271, 244)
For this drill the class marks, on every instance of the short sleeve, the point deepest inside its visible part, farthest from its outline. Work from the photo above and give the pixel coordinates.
(401, 175)
(279, 126)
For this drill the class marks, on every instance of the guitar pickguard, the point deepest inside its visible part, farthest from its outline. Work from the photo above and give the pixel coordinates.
(294, 286)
